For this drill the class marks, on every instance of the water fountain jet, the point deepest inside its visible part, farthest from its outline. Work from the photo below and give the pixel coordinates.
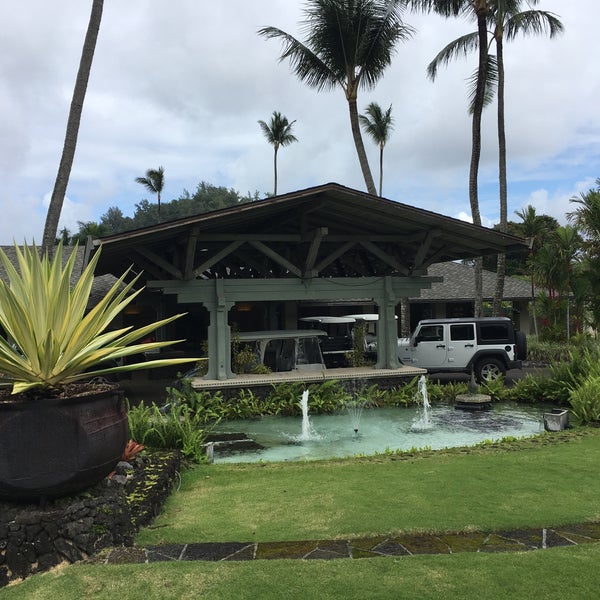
(422, 399)
(355, 409)
(307, 431)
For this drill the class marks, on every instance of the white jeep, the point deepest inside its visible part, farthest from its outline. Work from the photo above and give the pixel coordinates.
(488, 346)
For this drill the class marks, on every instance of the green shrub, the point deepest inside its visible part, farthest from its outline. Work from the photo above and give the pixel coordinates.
(179, 428)
(529, 390)
(495, 389)
(585, 400)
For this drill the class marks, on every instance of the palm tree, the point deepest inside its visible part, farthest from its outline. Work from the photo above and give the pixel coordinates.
(349, 44)
(89, 229)
(505, 20)
(587, 214)
(553, 269)
(535, 228)
(478, 10)
(508, 20)
(70, 143)
(378, 124)
(154, 182)
(278, 133)
(586, 218)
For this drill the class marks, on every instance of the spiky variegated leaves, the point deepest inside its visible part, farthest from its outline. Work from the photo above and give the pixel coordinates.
(51, 338)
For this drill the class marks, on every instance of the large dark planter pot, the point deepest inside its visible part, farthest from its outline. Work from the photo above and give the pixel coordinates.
(58, 446)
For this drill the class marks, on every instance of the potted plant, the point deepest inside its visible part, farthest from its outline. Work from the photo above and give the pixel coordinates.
(63, 427)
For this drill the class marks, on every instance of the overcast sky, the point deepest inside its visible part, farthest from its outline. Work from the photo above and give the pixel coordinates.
(182, 84)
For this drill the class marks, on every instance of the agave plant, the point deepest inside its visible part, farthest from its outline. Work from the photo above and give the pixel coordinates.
(52, 339)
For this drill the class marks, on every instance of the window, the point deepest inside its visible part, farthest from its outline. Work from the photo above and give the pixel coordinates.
(462, 332)
(494, 332)
(431, 333)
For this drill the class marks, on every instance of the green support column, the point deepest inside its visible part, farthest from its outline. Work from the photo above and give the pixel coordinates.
(387, 335)
(219, 335)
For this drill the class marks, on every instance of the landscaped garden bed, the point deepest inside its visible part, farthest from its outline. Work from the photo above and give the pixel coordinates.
(35, 537)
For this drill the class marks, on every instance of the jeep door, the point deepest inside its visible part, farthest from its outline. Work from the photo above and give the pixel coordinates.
(431, 348)
(462, 344)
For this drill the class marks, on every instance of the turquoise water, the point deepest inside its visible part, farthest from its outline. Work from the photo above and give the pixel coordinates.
(379, 429)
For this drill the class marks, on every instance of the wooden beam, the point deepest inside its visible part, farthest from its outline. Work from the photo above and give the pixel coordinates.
(276, 257)
(190, 253)
(215, 258)
(425, 246)
(251, 262)
(385, 257)
(160, 262)
(341, 250)
(313, 251)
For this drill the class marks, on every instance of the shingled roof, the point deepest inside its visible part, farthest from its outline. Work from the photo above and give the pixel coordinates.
(459, 284)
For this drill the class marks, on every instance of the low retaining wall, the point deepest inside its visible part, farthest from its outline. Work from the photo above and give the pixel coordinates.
(36, 538)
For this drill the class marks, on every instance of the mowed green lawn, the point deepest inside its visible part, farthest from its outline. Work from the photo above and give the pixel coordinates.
(545, 481)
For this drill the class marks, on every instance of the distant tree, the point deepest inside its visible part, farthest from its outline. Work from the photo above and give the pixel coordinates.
(88, 229)
(278, 132)
(538, 229)
(206, 198)
(70, 143)
(154, 182)
(586, 215)
(378, 125)
(64, 237)
(586, 218)
(349, 44)
(115, 222)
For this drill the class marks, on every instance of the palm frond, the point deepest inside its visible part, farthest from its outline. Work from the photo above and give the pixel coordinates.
(305, 64)
(490, 84)
(533, 22)
(459, 47)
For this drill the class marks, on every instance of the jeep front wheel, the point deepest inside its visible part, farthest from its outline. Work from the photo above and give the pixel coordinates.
(489, 369)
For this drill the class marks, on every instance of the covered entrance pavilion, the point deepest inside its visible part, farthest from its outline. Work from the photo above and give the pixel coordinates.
(326, 243)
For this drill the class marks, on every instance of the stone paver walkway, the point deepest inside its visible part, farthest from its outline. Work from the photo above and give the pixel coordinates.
(518, 540)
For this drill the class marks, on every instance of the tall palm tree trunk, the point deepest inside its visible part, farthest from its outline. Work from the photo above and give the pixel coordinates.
(481, 10)
(276, 146)
(360, 147)
(380, 169)
(501, 264)
(70, 143)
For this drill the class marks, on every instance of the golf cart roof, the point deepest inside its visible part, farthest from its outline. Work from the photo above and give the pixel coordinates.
(327, 320)
(277, 334)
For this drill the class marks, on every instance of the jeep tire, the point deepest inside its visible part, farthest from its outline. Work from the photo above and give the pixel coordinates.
(489, 369)
(521, 343)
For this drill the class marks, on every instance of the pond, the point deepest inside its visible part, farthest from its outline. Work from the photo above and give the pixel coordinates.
(368, 431)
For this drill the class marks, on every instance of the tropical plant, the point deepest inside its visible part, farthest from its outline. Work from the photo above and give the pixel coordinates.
(70, 143)
(586, 218)
(533, 228)
(349, 44)
(378, 124)
(51, 337)
(87, 229)
(278, 133)
(154, 182)
(553, 268)
(179, 429)
(585, 400)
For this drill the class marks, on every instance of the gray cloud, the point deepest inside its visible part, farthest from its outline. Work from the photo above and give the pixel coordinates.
(183, 84)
